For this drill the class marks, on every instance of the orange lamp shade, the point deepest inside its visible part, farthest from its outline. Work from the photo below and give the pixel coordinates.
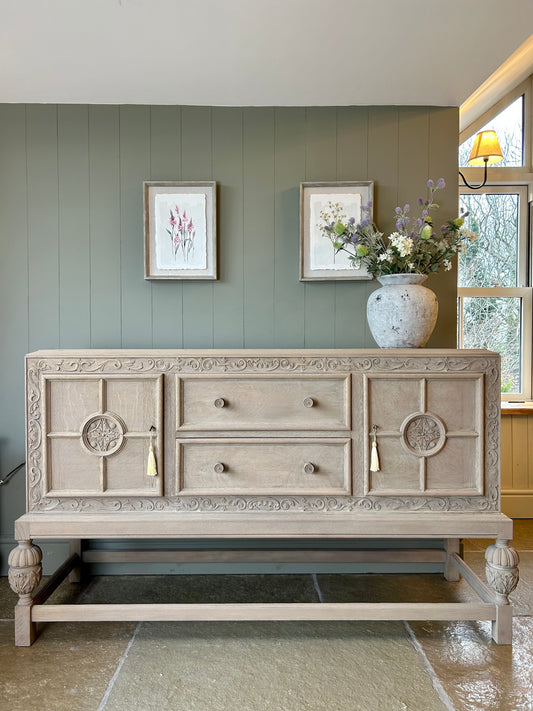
(486, 149)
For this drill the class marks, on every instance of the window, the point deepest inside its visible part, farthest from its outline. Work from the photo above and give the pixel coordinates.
(494, 301)
(494, 292)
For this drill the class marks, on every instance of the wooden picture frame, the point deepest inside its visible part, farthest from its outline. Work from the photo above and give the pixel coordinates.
(318, 258)
(180, 230)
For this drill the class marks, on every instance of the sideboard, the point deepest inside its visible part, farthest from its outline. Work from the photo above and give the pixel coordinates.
(249, 444)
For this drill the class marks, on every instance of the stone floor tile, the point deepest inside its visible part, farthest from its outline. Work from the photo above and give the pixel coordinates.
(68, 668)
(273, 666)
(199, 588)
(393, 588)
(476, 673)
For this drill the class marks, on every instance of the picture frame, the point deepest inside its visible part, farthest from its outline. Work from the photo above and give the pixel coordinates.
(180, 240)
(319, 260)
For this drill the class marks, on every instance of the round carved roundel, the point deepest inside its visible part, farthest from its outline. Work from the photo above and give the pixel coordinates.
(103, 434)
(423, 434)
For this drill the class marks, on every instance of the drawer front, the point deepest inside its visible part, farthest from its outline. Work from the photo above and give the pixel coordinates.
(303, 466)
(264, 403)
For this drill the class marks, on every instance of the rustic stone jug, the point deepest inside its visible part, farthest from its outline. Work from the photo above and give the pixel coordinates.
(402, 313)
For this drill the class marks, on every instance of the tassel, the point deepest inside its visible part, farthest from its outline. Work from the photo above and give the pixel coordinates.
(151, 469)
(374, 458)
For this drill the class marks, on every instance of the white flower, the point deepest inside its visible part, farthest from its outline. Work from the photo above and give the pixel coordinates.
(385, 256)
(447, 265)
(402, 244)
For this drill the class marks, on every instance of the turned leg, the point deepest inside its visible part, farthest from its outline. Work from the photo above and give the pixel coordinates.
(502, 576)
(451, 546)
(25, 572)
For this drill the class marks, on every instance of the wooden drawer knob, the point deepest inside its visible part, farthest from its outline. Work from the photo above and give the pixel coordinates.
(219, 468)
(220, 402)
(309, 468)
(309, 402)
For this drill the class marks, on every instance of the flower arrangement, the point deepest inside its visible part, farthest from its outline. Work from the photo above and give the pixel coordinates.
(416, 249)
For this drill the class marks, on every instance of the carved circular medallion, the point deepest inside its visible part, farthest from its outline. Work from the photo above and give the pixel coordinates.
(103, 434)
(423, 434)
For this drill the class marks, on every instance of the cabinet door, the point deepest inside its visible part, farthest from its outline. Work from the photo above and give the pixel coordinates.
(98, 435)
(429, 434)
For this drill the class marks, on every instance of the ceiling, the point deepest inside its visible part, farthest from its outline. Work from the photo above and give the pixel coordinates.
(255, 52)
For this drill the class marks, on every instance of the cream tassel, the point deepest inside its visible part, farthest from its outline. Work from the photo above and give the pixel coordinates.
(374, 458)
(151, 469)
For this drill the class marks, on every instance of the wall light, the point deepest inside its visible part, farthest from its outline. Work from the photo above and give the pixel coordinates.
(485, 151)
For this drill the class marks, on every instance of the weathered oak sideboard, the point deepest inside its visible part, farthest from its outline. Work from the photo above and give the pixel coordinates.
(243, 444)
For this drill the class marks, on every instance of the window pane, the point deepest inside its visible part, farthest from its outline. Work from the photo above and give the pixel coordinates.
(494, 323)
(508, 125)
(492, 260)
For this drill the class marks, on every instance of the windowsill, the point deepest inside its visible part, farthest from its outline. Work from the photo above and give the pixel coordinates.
(517, 408)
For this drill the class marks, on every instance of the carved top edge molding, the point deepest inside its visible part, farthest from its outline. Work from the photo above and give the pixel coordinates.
(311, 361)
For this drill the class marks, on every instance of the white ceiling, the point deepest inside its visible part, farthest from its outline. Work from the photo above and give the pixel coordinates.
(255, 52)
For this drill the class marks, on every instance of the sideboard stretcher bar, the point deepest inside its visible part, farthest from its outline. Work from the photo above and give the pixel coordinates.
(263, 445)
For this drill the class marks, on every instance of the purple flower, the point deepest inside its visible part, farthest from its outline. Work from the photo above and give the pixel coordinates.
(351, 221)
(398, 211)
(430, 183)
(441, 183)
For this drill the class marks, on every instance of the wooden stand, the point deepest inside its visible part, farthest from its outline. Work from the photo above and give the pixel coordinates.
(493, 601)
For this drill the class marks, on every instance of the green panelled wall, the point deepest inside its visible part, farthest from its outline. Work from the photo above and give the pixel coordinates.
(71, 231)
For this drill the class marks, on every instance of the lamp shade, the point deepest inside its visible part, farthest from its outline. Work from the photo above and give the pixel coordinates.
(486, 149)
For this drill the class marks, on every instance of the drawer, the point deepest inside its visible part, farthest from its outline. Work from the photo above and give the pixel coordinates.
(267, 466)
(264, 403)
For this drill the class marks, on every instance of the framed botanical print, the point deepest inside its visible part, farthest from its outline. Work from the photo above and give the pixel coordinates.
(319, 260)
(180, 230)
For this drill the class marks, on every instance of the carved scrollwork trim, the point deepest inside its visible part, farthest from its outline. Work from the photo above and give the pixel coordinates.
(300, 504)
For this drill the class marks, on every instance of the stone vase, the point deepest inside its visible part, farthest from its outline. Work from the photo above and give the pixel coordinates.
(402, 313)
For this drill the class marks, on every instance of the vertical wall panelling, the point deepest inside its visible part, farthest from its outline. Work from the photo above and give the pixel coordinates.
(165, 164)
(228, 304)
(383, 163)
(442, 163)
(507, 453)
(196, 164)
(43, 244)
(289, 292)
(134, 167)
(516, 465)
(104, 215)
(259, 144)
(321, 164)
(352, 164)
(13, 311)
(74, 244)
(520, 453)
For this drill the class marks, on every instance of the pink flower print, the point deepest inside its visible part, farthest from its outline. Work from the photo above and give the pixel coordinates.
(172, 219)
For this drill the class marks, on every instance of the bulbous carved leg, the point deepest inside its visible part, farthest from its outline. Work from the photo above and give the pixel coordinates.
(25, 572)
(502, 576)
